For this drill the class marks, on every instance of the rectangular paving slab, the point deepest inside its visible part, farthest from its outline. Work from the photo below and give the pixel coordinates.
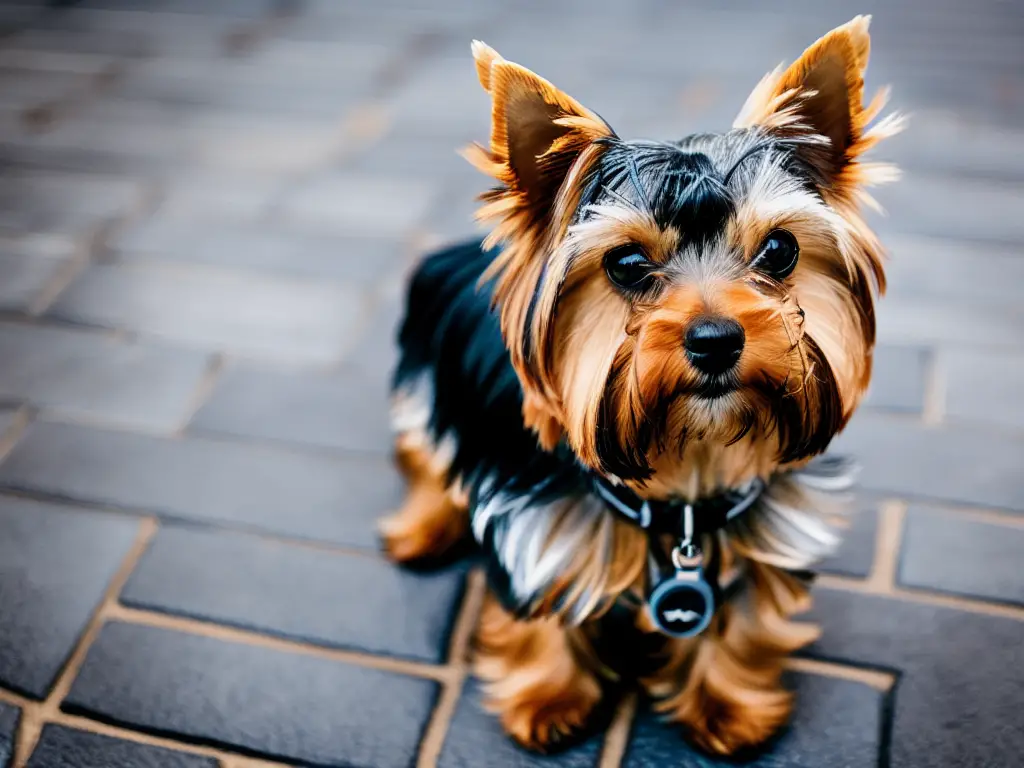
(344, 600)
(294, 493)
(84, 373)
(55, 565)
(249, 314)
(291, 706)
(949, 552)
(956, 463)
(62, 747)
(957, 700)
(361, 261)
(345, 410)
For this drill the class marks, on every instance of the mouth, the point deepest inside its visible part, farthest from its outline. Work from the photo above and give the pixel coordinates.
(715, 387)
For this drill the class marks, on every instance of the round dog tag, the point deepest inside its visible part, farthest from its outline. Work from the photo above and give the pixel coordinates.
(683, 604)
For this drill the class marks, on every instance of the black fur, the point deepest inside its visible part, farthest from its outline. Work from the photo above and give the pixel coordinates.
(679, 187)
(451, 334)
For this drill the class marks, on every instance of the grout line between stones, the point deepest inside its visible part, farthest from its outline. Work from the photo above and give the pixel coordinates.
(203, 391)
(888, 543)
(22, 418)
(33, 719)
(878, 679)
(458, 669)
(923, 597)
(87, 248)
(933, 406)
(616, 738)
(157, 620)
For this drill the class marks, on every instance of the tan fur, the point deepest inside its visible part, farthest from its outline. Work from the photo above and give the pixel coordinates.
(535, 679)
(434, 516)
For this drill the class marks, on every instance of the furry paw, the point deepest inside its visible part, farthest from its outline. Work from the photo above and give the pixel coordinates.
(729, 728)
(545, 724)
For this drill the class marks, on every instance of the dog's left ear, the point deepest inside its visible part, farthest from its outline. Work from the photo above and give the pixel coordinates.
(817, 103)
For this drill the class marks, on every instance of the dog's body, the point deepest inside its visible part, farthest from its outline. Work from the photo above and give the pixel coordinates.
(680, 328)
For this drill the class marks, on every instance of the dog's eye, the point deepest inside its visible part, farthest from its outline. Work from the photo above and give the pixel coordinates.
(777, 255)
(627, 266)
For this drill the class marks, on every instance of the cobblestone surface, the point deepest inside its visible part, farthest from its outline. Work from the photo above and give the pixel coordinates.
(207, 211)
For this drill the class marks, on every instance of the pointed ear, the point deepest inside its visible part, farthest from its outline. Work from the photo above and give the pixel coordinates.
(818, 102)
(537, 132)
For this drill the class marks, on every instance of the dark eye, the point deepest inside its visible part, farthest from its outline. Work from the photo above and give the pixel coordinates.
(777, 255)
(627, 266)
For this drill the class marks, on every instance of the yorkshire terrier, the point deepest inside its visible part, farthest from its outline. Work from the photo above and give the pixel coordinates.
(624, 391)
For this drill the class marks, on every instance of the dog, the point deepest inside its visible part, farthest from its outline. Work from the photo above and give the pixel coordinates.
(624, 394)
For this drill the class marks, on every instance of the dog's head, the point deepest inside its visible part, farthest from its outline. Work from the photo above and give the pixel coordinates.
(659, 297)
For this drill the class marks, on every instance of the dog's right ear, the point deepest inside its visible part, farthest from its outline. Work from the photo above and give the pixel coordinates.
(542, 144)
(537, 134)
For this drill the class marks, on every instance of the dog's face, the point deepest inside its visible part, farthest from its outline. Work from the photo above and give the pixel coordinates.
(665, 297)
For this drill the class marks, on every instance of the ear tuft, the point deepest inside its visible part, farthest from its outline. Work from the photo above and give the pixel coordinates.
(485, 56)
(818, 104)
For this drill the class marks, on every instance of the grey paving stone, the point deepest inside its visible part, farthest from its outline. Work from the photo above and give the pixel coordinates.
(61, 747)
(375, 353)
(58, 203)
(24, 275)
(348, 601)
(365, 262)
(225, 90)
(82, 373)
(984, 386)
(9, 716)
(347, 410)
(359, 204)
(945, 551)
(55, 563)
(934, 268)
(125, 34)
(898, 379)
(202, 194)
(24, 88)
(431, 158)
(475, 738)
(856, 553)
(956, 463)
(209, 481)
(247, 314)
(957, 702)
(938, 205)
(931, 321)
(835, 723)
(291, 706)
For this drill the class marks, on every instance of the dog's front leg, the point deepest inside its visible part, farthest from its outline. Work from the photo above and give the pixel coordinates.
(536, 677)
(724, 687)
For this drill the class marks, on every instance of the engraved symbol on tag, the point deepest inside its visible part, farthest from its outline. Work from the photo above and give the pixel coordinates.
(683, 604)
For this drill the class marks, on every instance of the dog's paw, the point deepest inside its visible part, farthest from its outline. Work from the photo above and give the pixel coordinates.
(728, 728)
(405, 541)
(548, 725)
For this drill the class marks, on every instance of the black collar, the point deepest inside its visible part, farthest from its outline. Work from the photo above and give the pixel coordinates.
(708, 514)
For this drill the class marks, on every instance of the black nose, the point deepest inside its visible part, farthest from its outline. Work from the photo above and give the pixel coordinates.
(714, 344)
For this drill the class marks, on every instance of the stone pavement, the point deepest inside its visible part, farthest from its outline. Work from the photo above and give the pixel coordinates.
(207, 209)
